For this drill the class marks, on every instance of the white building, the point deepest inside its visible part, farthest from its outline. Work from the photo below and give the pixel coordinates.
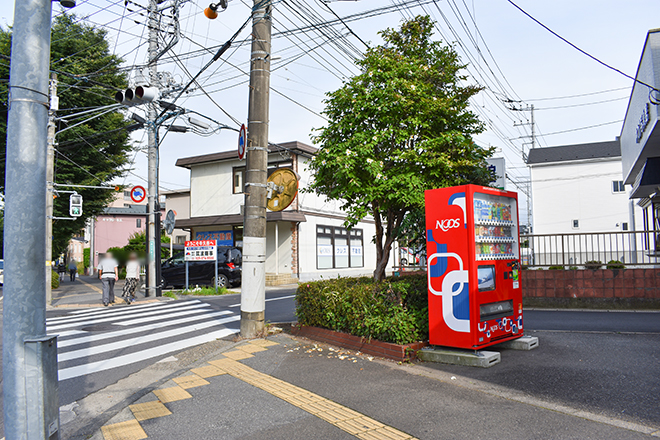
(178, 201)
(305, 241)
(578, 188)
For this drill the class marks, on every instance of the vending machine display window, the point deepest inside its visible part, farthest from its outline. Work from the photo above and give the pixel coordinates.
(495, 227)
(486, 278)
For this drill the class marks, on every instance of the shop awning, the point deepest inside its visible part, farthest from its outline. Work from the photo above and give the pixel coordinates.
(236, 219)
(648, 179)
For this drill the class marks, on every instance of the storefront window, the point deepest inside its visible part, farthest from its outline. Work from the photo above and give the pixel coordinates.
(338, 247)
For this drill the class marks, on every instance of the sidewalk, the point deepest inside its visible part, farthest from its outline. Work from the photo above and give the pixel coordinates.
(86, 291)
(291, 388)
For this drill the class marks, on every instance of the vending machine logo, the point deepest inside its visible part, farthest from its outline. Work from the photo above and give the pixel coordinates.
(447, 224)
(455, 287)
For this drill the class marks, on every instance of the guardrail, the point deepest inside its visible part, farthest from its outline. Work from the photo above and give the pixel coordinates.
(633, 248)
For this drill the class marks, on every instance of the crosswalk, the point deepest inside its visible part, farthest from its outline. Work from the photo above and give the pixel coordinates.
(100, 339)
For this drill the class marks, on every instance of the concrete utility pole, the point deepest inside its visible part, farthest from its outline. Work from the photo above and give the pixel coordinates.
(533, 128)
(152, 155)
(50, 179)
(29, 356)
(253, 291)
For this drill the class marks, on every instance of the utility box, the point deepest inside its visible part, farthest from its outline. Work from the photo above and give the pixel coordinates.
(41, 386)
(473, 254)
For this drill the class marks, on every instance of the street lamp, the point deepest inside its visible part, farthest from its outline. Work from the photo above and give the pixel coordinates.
(212, 11)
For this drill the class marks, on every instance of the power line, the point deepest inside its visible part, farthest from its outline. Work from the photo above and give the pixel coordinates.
(578, 96)
(581, 50)
(583, 104)
(582, 128)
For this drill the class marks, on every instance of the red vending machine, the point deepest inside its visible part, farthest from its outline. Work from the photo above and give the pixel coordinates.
(473, 252)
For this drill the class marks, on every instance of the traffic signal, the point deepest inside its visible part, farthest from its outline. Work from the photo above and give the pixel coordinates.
(137, 96)
(75, 205)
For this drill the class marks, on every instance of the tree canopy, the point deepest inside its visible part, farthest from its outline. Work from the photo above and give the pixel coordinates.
(403, 125)
(93, 153)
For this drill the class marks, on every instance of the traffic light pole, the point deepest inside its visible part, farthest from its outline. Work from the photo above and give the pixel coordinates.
(253, 290)
(29, 358)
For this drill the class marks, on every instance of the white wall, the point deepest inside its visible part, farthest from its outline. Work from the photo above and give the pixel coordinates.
(581, 190)
(211, 189)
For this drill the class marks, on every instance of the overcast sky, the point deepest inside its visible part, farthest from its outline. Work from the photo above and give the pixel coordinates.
(536, 65)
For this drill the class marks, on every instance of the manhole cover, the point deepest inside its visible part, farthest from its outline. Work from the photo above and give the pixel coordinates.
(98, 328)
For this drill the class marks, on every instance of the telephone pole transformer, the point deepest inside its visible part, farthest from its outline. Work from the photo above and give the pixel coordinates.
(253, 290)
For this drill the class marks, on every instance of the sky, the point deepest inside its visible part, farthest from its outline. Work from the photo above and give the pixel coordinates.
(531, 66)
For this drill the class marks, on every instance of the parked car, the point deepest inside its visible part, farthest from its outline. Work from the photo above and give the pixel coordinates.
(173, 270)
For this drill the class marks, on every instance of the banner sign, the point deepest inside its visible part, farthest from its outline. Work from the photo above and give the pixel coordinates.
(200, 250)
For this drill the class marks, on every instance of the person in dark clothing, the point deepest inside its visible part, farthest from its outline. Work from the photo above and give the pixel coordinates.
(73, 268)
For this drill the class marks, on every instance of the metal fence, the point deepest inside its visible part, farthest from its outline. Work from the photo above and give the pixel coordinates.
(633, 248)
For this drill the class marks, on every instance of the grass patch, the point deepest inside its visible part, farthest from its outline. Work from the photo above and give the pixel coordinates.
(170, 294)
(204, 291)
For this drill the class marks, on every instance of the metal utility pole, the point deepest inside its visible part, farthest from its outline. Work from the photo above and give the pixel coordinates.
(152, 154)
(533, 129)
(29, 358)
(253, 291)
(50, 178)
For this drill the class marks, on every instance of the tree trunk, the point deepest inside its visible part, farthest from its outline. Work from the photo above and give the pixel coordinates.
(383, 250)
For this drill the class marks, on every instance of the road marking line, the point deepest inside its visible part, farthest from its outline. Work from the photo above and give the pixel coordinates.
(118, 312)
(346, 419)
(270, 299)
(100, 311)
(149, 410)
(195, 309)
(130, 430)
(144, 328)
(144, 339)
(127, 359)
(119, 316)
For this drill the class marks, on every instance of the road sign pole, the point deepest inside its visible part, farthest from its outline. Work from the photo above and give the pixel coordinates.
(186, 275)
(29, 358)
(216, 270)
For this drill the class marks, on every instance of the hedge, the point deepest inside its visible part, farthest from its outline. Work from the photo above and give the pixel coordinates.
(394, 310)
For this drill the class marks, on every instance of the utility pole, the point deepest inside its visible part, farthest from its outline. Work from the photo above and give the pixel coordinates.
(29, 358)
(152, 154)
(50, 178)
(253, 291)
(531, 108)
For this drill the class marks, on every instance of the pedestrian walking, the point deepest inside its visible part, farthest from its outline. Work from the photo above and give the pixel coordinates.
(61, 270)
(73, 268)
(132, 278)
(108, 273)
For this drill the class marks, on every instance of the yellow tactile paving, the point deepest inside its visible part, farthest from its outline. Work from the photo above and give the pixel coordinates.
(130, 430)
(191, 381)
(238, 355)
(384, 433)
(172, 394)
(251, 348)
(149, 410)
(263, 342)
(353, 422)
(208, 371)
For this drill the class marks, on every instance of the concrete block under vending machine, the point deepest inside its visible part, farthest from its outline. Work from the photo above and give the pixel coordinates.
(525, 343)
(482, 358)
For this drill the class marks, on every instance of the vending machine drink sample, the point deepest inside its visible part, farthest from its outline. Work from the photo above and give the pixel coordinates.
(473, 254)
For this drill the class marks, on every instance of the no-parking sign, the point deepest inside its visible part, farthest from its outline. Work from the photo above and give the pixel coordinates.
(138, 193)
(242, 141)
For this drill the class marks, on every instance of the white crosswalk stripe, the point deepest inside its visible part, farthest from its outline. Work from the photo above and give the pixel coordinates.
(101, 339)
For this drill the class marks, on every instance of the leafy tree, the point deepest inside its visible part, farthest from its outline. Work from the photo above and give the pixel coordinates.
(95, 152)
(400, 127)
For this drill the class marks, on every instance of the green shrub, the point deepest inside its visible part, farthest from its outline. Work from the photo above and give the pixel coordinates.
(169, 294)
(556, 268)
(594, 264)
(540, 268)
(204, 291)
(615, 264)
(86, 257)
(395, 310)
(573, 268)
(54, 280)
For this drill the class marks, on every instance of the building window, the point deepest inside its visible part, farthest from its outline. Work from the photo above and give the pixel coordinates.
(127, 195)
(339, 248)
(180, 239)
(238, 178)
(576, 224)
(624, 226)
(618, 186)
(138, 222)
